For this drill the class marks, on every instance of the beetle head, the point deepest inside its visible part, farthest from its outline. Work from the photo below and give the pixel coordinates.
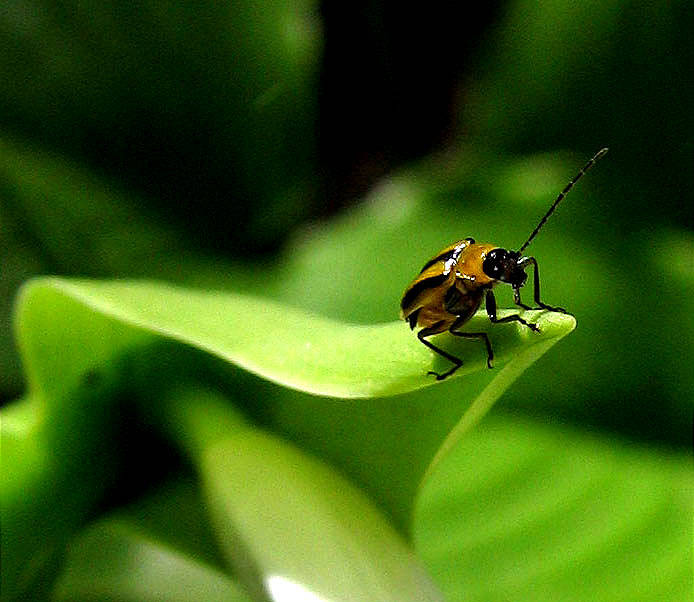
(505, 266)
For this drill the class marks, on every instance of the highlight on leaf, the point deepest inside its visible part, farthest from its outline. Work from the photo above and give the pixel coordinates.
(283, 344)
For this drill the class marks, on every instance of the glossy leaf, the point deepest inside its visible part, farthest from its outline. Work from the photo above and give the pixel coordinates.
(291, 526)
(114, 562)
(78, 329)
(520, 511)
(307, 529)
(286, 345)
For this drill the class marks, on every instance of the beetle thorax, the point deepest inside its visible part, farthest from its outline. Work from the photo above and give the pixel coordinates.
(469, 272)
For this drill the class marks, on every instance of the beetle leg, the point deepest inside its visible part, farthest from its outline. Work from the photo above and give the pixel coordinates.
(517, 299)
(432, 330)
(490, 302)
(474, 335)
(536, 289)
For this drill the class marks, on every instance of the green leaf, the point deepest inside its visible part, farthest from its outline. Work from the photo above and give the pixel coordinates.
(141, 91)
(306, 528)
(484, 401)
(53, 474)
(289, 523)
(282, 344)
(114, 561)
(174, 514)
(71, 333)
(389, 444)
(499, 199)
(520, 511)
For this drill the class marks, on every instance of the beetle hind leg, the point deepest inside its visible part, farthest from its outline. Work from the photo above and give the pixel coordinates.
(430, 331)
(478, 335)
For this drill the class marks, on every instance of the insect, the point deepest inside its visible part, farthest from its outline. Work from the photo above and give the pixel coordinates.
(450, 287)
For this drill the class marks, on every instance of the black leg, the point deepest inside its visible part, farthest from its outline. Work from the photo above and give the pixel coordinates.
(536, 290)
(477, 335)
(432, 330)
(490, 301)
(517, 299)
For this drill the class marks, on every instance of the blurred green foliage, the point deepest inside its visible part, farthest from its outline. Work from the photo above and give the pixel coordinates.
(186, 103)
(177, 142)
(582, 75)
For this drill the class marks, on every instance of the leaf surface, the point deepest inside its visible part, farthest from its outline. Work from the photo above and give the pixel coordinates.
(521, 511)
(285, 345)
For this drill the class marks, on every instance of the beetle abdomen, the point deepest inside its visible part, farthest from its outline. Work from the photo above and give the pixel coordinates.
(420, 289)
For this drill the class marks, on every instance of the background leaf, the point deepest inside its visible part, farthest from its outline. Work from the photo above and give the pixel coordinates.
(295, 528)
(112, 561)
(526, 511)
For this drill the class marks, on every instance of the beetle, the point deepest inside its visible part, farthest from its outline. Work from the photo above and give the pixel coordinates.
(450, 287)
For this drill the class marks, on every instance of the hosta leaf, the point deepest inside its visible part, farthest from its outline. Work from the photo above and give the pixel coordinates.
(520, 511)
(112, 561)
(290, 524)
(70, 333)
(307, 530)
(285, 345)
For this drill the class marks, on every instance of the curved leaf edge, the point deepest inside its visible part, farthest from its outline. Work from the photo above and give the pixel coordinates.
(290, 346)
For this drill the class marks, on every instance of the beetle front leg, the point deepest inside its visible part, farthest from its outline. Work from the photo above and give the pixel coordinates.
(536, 290)
(517, 299)
(490, 303)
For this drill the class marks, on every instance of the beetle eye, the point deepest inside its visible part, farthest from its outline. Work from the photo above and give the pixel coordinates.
(494, 263)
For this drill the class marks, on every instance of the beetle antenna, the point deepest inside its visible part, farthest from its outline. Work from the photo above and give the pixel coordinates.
(562, 194)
